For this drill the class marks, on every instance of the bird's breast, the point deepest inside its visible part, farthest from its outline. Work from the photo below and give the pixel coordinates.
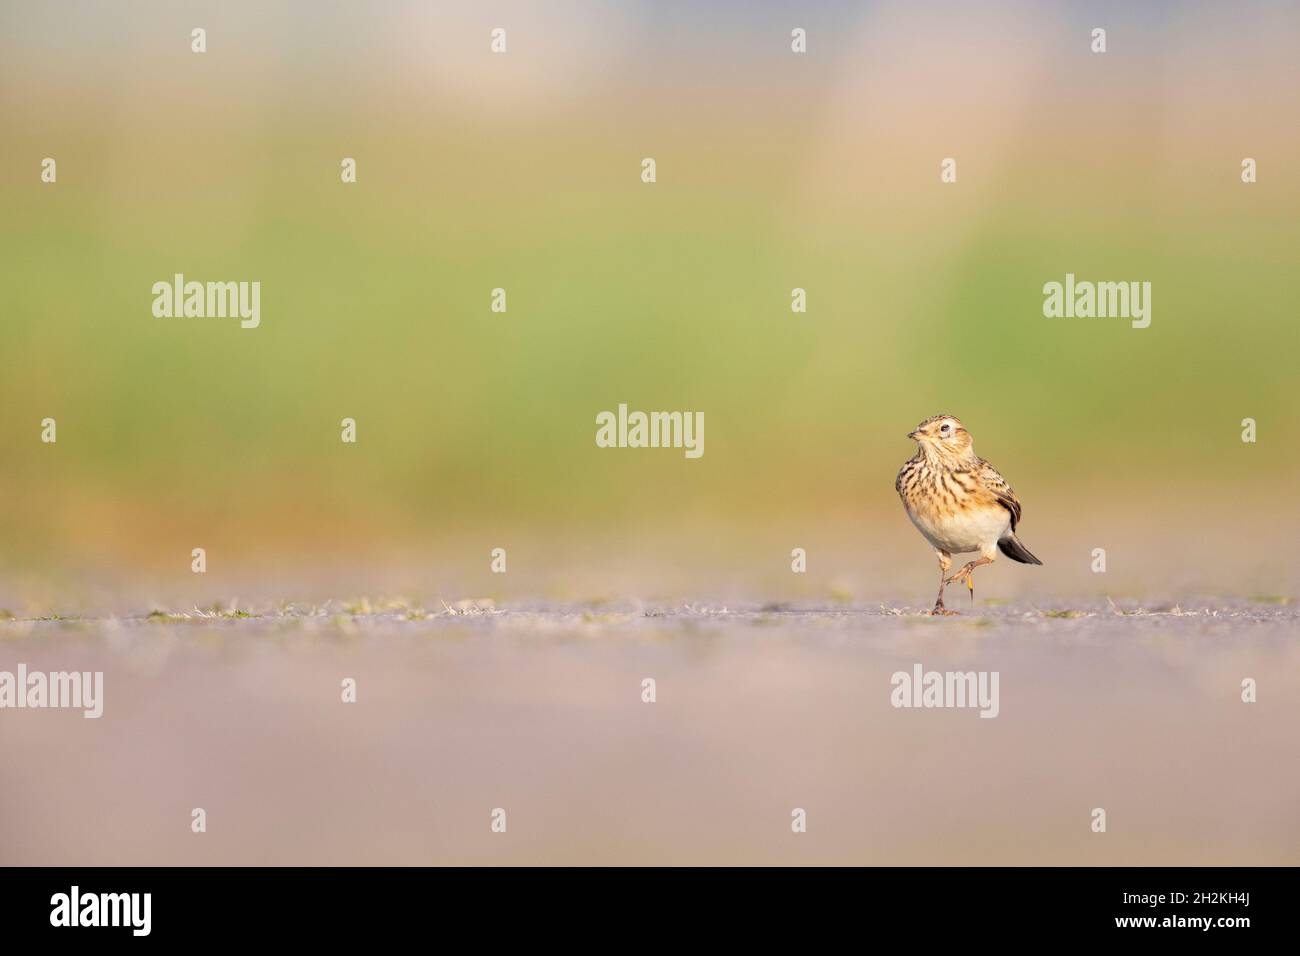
(951, 510)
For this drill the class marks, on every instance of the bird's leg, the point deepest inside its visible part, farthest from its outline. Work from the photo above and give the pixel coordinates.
(967, 574)
(945, 562)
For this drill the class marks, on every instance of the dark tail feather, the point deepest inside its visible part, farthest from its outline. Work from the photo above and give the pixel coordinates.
(1013, 549)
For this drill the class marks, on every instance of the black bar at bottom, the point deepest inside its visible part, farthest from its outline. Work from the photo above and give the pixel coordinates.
(670, 906)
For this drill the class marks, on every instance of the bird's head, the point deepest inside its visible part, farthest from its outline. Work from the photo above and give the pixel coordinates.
(945, 438)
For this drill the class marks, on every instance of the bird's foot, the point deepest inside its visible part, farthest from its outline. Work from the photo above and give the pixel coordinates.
(940, 611)
(966, 574)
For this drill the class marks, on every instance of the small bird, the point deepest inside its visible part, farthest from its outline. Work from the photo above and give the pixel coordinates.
(959, 502)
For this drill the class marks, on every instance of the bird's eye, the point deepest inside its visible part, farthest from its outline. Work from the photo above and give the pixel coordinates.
(944, 429)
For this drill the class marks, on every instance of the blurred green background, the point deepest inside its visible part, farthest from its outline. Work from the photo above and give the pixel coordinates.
(522, 171)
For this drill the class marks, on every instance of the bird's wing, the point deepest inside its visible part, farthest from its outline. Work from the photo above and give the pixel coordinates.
(997, 486)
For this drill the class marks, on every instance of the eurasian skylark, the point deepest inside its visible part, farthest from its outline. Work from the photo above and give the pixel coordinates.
(959, 502)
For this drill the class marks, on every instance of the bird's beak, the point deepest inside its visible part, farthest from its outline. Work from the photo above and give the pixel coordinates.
(915, 436)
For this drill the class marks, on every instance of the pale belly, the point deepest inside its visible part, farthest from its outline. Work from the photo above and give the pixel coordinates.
(973, 530)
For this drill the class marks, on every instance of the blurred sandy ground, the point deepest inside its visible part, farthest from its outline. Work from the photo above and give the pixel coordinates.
(756, 715)
(1223, 546)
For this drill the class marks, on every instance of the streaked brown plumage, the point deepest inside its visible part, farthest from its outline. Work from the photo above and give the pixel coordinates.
(958, 501)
